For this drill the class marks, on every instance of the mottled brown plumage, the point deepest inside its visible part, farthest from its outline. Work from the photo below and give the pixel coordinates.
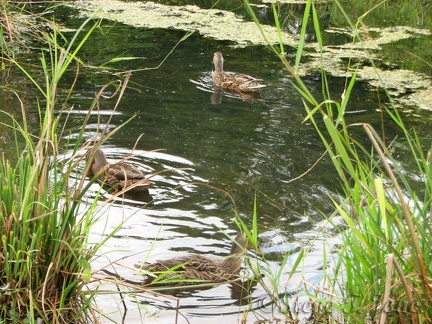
(195, 267)
(236, 82)
(117, 176)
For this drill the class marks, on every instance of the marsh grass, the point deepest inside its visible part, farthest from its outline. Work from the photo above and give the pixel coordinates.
(272, 282)
(44, 220)
(382, 273)
(7, 34)
(19, 28)
(44, 259)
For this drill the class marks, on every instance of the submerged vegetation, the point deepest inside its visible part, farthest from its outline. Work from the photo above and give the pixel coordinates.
(383, 270)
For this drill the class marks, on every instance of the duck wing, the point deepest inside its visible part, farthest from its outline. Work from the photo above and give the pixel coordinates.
(125, 171)
(189, 262)
(248, 81)
(191, 267)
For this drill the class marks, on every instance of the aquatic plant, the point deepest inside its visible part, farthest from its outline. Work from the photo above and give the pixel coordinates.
(18, 28)
(45, 218)
(382, 272)
(7, 34)
(44, 222)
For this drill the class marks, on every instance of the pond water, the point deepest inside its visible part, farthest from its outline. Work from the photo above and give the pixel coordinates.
(194, 144)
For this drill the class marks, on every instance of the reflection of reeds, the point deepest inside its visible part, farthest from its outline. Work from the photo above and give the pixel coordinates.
(386, 215)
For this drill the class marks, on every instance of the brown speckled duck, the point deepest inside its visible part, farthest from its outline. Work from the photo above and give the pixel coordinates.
(235, 82)
(117, 176)
(198, 268)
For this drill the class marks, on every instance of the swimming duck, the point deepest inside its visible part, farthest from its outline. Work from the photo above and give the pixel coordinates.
(235, 81)
(198, 268)
(120, 175)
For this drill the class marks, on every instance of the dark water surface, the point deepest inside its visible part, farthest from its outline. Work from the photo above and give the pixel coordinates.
(245, 147)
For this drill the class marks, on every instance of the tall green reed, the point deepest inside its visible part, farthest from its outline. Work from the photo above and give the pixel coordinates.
(44, 223)
(382, 271)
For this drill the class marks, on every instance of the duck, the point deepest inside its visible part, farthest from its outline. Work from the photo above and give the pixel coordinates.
(233, 81)
(116, 176)
(197, 268)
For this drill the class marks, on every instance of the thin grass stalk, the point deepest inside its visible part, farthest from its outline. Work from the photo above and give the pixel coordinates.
(275, 279)
(421, 268)
(298, 84)
(386, 296)
(407, 288)
(279, 29)
(305, 20)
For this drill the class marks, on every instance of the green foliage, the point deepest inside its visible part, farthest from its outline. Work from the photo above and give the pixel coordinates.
(44, 225)
(383, 270)
(43, 240)
(271, 282)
